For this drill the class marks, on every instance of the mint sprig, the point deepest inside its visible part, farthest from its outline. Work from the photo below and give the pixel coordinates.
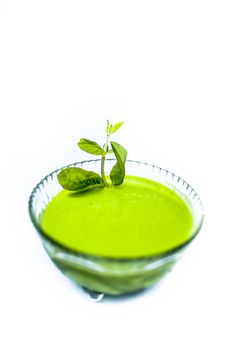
(78, 179)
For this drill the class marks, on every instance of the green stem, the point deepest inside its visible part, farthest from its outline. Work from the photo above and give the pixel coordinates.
(103, 157)
(102, 172)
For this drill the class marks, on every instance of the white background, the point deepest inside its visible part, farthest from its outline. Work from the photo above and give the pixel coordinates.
(166, 68)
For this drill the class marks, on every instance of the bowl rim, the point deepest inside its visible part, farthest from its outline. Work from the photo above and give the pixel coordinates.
(97, 258)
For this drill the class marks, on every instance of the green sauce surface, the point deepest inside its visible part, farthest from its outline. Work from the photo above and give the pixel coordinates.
(139, 218)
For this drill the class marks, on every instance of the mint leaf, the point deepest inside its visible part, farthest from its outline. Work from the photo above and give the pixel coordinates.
(91, 147)
(114, 128)
(117, 174)
(78, 179)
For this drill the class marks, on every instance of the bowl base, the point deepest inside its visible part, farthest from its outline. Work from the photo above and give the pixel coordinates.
(95, 296)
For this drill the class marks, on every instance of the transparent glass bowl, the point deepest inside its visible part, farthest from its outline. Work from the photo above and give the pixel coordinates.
(114, 276)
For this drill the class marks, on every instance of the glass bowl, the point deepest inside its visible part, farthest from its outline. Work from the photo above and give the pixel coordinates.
(114, 276)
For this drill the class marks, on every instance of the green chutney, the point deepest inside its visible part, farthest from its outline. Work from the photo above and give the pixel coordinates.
(139, 218)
